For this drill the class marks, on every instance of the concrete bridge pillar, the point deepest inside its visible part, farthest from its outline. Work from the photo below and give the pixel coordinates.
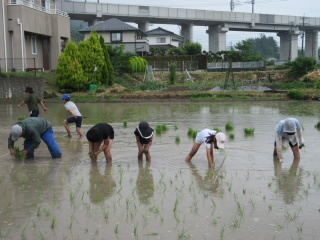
(288, 45)
(143, 26)
(217, 38)
(187, 32)
(312, 44)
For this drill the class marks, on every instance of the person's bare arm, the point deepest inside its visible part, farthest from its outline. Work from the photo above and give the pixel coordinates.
(43, 106)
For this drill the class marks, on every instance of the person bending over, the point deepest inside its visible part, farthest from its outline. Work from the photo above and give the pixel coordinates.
(211, 139)
(144, 137)
(100, 139)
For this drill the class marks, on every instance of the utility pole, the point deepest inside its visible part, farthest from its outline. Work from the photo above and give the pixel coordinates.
(231, 5)
(252, 2)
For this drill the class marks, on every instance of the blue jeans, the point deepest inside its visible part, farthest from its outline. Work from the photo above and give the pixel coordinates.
(48, 138)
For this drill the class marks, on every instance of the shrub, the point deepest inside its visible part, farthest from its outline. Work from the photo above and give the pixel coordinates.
(317, 84)
(301, 66)
(296, 94)
(173, 75)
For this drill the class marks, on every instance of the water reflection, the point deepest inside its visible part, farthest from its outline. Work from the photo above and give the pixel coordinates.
(101, 185)
(145, 185)
(289, 181)
(209, 182)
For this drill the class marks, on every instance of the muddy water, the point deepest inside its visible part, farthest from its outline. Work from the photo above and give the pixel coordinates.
(247, 195)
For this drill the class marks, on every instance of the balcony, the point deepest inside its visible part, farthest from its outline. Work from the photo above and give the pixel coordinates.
(30, 4)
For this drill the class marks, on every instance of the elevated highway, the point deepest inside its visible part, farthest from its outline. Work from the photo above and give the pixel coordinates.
(288, 28)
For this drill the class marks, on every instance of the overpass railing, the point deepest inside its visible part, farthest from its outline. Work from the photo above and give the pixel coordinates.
(29, 4)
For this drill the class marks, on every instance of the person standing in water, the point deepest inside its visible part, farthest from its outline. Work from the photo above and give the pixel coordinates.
(76, 117)
(32, 101)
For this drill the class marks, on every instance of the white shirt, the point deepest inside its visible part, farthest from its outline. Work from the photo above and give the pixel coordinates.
(201, 136)
(72, 106)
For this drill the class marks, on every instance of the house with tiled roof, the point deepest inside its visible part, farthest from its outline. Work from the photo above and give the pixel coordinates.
(116, 33)
(163, 39)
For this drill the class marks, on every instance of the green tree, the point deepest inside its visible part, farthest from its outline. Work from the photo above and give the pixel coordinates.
(191, 48)
(107, 70)
(175, 51)
(265, 46)
(120, 59)
(301, 66)
(92, 59)
(69, 70)
(156, 51)
(245, 47)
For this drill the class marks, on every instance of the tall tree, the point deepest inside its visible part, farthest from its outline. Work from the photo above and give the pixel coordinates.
(92, 59)
(69, 70)
(265, 46)
(107, 69)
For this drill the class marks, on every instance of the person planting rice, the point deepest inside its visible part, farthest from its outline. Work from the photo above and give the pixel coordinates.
(34, 129)
(76, 115)
(144, 137)
(32, 101)
(101, 133)
(288, 131)
(211, 139)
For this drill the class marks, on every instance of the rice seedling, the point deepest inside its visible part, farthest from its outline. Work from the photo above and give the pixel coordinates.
(192, 133)
(161, 129)
(177, 139)
(231, 136)
(317, 126)
(235, 223)
(270, 207)
(20, 155)
(229, 126)
(53, 223)
(217, 129)
(125, 123)
(222, 233)
(248, 131)
(183, 235)
(20, 118)
(116, 229)
(135, 229)
(152, 234)
(240, 209)
(175, 127)
(253, 204)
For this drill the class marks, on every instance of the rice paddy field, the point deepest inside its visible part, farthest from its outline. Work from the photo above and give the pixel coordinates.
(248, 195)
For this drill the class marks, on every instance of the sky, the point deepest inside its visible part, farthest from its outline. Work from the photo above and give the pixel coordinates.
(307, 8)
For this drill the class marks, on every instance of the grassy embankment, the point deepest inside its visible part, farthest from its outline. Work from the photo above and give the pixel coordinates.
(132, 87)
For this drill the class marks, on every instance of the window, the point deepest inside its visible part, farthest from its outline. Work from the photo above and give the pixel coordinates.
(161, 40)
(34, 44)
(63, 42)
(116, 37)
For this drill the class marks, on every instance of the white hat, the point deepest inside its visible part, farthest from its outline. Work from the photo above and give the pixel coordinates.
(16, 132)
(221, 138)
(289, 126)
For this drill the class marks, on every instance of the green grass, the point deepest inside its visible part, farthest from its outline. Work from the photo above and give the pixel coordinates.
(178, 139)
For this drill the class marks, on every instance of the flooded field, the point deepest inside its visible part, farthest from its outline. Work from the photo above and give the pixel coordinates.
(247, 196)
